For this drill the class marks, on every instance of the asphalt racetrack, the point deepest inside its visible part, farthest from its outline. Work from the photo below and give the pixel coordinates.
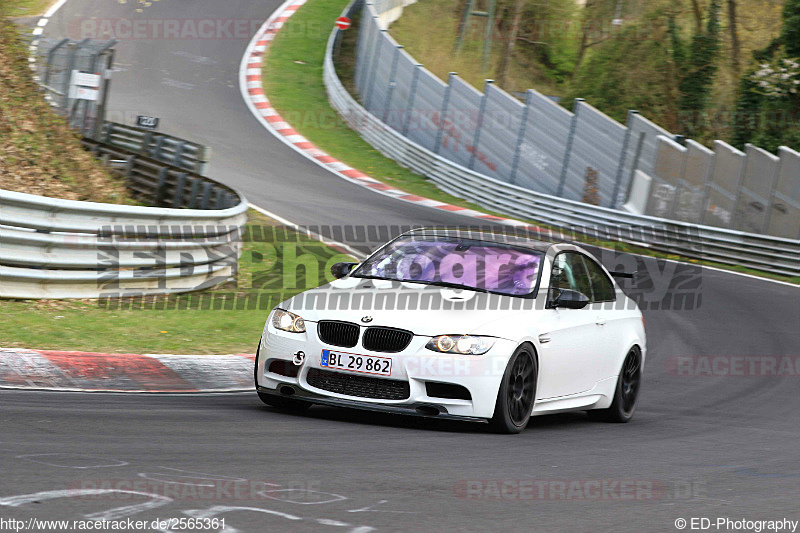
(702, 444)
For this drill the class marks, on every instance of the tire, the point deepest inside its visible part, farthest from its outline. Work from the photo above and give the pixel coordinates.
(626, 393)
(517, 393)
(255, 366)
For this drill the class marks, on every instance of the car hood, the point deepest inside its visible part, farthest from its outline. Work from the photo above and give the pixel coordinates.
(425, 310)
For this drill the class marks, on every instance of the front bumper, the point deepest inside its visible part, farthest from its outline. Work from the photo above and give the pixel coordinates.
(422, 409)
(480, 375)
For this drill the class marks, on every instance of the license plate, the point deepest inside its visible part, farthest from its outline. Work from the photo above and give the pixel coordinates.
(353, 362)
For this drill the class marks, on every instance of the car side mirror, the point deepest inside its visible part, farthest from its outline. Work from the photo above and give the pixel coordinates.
(570, 299)
(340, 270)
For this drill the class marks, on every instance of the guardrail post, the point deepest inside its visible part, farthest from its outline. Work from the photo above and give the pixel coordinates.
(109, 126)
(392, 83)
(177, 157)
(203, 155)
(374, 68)
(207, 187)
(481, 111)
(156, 152)
(445, 103)
(162, 183)
(177, 197)
(192, 200)
(411, 97)
(218, 198)
(572, 127)
(148, 137)
(616, 202)
(521, 136)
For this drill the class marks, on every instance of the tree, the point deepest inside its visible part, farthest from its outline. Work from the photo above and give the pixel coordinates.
(790, 33)
(510, 39)
(698, 75)
(735, 45)
(769, 92)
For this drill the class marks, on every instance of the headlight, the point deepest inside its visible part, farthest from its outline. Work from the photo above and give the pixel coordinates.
(286, 321)
(460, 344)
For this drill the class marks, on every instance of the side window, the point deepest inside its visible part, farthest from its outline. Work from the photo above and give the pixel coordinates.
(569, 272)
(602, 287)
(562, 274)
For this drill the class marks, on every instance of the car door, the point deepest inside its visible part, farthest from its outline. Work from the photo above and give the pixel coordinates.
(609, 318)
(568, 354)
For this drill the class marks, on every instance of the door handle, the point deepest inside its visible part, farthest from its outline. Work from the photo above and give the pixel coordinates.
(600, 321)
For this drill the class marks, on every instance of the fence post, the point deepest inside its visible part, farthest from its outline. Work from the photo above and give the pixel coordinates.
(573, 125)
(392, 83)
(375, 58)
(445, 102)
(616, 202)
(50, 54)
(479, 123)
(635, 165)
(73, 50)
(772, 191)
(366, 58)
(521, 136)
(411, 97)
(737, 194)
(102, 105)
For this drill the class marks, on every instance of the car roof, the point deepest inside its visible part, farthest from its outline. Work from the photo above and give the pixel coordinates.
(511, 236)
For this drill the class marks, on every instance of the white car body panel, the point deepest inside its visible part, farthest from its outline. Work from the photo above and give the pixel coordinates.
(580, 351)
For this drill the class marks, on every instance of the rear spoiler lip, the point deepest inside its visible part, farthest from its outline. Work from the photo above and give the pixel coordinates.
(628, 275)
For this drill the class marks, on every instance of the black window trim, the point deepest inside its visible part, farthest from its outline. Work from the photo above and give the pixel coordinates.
(585, 257)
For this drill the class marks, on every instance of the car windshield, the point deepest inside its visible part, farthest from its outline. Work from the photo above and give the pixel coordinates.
(459, 263)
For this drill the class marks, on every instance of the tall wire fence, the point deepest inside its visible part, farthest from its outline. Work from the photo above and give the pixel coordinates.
(579, 155)
(57, 64)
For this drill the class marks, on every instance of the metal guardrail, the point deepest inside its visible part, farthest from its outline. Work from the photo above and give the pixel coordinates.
(54, 248)
(769, 254)
(165, 148)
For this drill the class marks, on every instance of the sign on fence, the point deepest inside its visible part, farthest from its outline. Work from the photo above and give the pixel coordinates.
(143, 121)
(84, 86)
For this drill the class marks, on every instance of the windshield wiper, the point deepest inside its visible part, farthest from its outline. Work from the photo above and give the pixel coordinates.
(367, 276)
(444, 284)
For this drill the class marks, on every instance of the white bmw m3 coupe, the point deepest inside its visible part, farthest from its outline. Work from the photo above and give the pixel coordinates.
(457, 324)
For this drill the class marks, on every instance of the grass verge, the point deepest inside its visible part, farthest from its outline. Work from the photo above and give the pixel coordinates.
(276, 263)
(292, 79)
(39, 154)
(25, 8)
